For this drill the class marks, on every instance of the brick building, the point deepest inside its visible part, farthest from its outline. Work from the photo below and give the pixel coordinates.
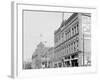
(72, 42)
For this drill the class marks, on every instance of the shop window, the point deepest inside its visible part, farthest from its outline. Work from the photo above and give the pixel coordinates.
(67, 63)
(75, 63)
(73, 56)
(55, 66)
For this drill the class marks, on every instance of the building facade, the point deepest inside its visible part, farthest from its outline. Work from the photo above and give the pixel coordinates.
(38, 54)
(72, 42)
(47, 59)
(42, 56)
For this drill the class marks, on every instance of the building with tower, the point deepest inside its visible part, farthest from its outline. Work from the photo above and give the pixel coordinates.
(73, 41)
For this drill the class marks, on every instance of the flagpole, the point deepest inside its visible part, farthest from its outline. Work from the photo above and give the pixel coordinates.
(62, 16)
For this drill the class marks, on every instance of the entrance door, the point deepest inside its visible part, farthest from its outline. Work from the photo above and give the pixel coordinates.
(74, 63)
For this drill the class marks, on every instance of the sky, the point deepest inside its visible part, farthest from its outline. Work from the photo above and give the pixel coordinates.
(39, 27)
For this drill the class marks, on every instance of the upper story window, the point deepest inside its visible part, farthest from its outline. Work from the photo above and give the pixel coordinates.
(77, 41)
(59, 37)
(69, 33)
(69, 48)
(72, 31)
(62, 35)
(77, 27)
(74, 47)
(66, 35)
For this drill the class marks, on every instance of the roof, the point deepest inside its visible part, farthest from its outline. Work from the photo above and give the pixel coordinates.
(65, 22)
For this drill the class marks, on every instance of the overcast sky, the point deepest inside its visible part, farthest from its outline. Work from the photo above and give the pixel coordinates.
(40, 26)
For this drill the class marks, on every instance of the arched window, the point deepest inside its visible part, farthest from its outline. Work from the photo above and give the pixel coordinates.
(66, 34)
(69, 33)
(74, 29)
(77, 27)
(77, 44)
(69, 48)
(74, 46)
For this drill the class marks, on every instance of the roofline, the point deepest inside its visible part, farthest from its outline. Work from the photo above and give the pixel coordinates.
(66, 22)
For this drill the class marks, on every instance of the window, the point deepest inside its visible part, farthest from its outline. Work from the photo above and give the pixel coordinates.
(66, 35)
(69, 48)
(64, 49)
(74, 47)
(77, 41)
(72, 31)
(66, 57)
(69, 33)
(60, 64)
(59, 37)
(77, 27)
(62, 35)
(56, 40)
(55, 65)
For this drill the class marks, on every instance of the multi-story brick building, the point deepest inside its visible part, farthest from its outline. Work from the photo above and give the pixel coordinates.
(72, 41)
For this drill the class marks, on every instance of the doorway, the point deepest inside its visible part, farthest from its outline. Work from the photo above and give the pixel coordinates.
(75, 63)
